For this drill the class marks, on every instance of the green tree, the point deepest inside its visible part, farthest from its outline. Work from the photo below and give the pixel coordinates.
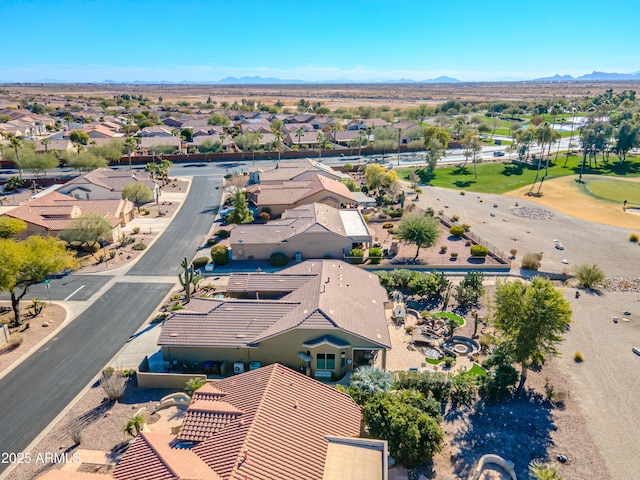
(111, 151)
(138, 193)
(369, 380)
(13, 184)
(11, 227)
(27, 262)
(86, 162)
(194, 384)
(37, 163)
(219, 119)
(419, 230)
(88, 229)
(240, 213)
(541, 471)
(588, 275)
(130, 144)
(79, 137)
(532, 318)
(209, 146)
(135, 424)
(413, 436)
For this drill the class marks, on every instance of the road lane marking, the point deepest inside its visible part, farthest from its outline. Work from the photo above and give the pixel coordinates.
(72, 294)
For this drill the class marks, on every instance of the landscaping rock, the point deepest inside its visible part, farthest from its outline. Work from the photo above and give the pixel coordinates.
(533, 213)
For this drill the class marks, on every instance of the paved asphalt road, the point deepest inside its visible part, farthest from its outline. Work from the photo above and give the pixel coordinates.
(185, 233)
(72, 287)
(33, 393)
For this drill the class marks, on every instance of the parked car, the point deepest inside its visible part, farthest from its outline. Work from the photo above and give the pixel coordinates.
(498, 154)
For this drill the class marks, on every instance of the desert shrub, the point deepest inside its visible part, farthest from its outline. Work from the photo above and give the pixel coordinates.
(264, 216)
(513, 252)
(499, 383)
(578, 357)
(146, 211)
(175, 297)
(75, 431)
(479, 251)
(64, 244)
(588, 275)
(357, 255)
(278, 259)
(454, 254)
(223, 233)
(634, 238)
(212, 241)
(387, 225)
(468, 243)
(112, 254)
(112, 385)
(177, 307)
(457, 231)
(443, 249)
(531, 261)
(15, 340)
(462, 192)
(466, 227)
(90, 247)
(365, 218)
(200, 262)
(161, 317)
(408, 329)
(554, 395)
(393, 231)
(396, 213)
(136, 230)
(375, 255)
(455, 218)
(139, 246)
(448, 361)
(220, 255)
(382, 215)
(265, 209)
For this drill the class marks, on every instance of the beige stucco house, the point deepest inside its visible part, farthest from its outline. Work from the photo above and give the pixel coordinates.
(105, 183)
(51, 213)
(309, 231)
(297, 170)
(286, 195)
(321, 316)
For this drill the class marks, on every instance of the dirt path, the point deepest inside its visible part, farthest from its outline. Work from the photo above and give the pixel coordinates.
(564, 195)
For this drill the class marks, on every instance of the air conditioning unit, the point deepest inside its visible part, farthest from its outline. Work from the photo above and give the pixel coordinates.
(238, 367)
(254, 365)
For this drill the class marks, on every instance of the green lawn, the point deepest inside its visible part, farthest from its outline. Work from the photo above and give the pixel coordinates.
(615, 190)
(504, 177)
(433, 361)
(476, 370)
(457, 318)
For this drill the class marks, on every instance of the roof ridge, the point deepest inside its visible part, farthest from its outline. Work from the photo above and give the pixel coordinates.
(157, 454)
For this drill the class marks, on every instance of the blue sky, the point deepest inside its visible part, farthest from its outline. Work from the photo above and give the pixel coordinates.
(473, 40)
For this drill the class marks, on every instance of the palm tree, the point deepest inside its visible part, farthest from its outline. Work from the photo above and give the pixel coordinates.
(399, 137)
(194, 384)
(45, 142)
(541, 471)
(322, 143)
(371, 380)
(130, 144)
(16, 143)
(299, 134)
(135, 424)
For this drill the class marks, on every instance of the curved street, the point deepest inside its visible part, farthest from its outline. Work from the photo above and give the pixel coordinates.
(40, 387)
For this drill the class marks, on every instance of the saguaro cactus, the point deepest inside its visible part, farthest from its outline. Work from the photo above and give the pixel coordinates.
(188, 278)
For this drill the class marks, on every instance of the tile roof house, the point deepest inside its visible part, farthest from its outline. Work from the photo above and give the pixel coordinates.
(62, 145)
(295, 170)
(146, 143)
(328, 312)
(267, 423)
(105, 183)
(307, 231)
(157, 131)
(51, 213)
(288, 194)
(367, 123)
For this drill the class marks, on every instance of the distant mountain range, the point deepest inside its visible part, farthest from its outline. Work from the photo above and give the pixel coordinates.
(257, 80)
(591, 77)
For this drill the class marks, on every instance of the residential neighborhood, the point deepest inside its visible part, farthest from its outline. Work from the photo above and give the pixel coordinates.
(230, 256)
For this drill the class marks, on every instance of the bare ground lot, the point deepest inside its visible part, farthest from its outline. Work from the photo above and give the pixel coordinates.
(339, 95)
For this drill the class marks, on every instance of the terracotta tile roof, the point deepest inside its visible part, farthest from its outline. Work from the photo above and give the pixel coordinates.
(292, 192)
(55, 211)
(308, 218)
(281, 435)
(155, 456)
(205, 417)
(313, 292)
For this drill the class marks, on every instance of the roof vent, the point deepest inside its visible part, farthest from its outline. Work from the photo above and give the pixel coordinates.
(174, 334)
(240, 335)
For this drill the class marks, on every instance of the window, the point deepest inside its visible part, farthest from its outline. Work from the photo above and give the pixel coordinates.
(326, 361)
(343, 359)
